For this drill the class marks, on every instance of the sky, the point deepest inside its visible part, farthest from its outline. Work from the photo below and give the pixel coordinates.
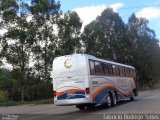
(88, 10)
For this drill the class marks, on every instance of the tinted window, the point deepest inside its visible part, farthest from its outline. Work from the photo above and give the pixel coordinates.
(99, 68)
(106, 69)
(110, 69)
(114, 69)
(129, 72)
(117, 70)
(134, 74)
(122, 72)
(126, 72)
(92, 70)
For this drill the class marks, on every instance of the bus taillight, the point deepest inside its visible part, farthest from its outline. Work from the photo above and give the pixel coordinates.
(87, 90)
(54, 93)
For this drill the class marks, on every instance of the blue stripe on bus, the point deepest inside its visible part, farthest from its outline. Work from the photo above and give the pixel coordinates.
(66, 96)
(101, 97)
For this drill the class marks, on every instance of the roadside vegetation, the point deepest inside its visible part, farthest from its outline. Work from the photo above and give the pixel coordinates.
(38, 32)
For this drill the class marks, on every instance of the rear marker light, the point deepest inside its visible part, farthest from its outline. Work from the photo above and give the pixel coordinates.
(54, 93)
(87, 90)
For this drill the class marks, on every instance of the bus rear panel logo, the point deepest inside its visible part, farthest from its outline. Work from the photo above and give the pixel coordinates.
(68, 63)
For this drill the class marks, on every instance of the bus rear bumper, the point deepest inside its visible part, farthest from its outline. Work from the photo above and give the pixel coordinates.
(72, 102)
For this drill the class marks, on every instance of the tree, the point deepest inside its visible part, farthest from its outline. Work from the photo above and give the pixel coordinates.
(69, 28)
(45, 14)
(24, 36)
(103, 36)
(18, 40)
(143, 48)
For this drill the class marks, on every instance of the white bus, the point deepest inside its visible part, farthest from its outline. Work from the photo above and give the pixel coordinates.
(86, 81)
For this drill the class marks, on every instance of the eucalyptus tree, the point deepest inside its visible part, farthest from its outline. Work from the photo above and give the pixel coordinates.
(19, 38)
(44, 16)
(103, 36)
(69, 29)
(143, 49)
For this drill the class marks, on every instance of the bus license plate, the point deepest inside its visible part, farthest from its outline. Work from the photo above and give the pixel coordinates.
(71, 94)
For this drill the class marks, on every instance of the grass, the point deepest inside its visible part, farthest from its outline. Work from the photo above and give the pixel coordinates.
(3, 96)
(50, 101)
(36, 102)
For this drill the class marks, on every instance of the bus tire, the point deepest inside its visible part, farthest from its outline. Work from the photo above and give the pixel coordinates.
(114, 99)
(81, 107)
(109, 100)
(132, 97)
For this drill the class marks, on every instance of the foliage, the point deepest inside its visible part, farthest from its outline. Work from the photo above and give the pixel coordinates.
(3, 96)
(69, 28)
(103, 36)
(18, 40)
(45, 13)
(22, 37)
(143, 50)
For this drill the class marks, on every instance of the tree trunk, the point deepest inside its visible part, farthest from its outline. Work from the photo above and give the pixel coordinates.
(22, 93)
(45, 61)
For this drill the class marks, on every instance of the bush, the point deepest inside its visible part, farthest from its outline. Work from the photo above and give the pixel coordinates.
(40, 91)
(3, 96)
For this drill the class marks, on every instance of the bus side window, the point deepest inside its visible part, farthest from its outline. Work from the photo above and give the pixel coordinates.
(129, 72)
(134, 74)
(92, 70)
(106, 69)
(99, 68)
(110, 69)
(126, 72)
(114, 69)
(120, 70)
(117, 70)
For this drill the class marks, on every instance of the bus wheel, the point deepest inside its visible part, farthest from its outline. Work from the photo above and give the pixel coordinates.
(132, 97)
(81, 107)
(109, 101)
(90, 106)
(114, 99)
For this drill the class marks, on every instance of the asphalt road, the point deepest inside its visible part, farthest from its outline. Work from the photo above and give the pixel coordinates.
(148, 102)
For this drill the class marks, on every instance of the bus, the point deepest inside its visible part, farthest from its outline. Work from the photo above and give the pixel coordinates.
(87, 81)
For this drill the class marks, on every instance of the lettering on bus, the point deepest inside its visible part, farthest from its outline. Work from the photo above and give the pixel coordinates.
(94, 82)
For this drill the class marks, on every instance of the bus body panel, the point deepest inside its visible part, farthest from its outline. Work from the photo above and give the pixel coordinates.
(102, 85)
(70, 83)
(71, 90)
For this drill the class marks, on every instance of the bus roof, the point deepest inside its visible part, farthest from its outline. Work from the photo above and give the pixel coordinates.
(98, 59)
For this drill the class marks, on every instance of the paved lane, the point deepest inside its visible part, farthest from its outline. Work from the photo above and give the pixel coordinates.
(147, 102)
